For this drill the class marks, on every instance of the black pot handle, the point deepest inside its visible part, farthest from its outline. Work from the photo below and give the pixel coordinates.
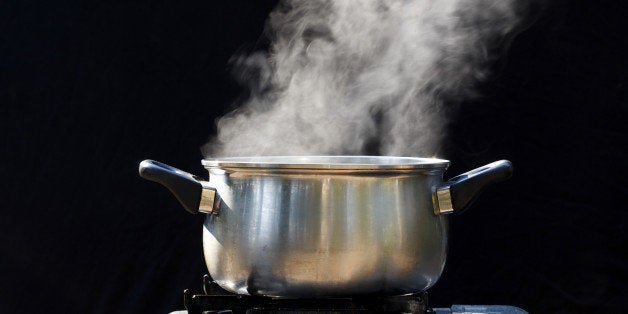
(457, 194)
(192, 192)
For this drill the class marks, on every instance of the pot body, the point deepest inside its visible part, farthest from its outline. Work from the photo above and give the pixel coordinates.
(325, 226)
(293, 233)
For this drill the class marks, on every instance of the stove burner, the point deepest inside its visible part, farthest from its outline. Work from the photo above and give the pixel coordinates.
(217, 300)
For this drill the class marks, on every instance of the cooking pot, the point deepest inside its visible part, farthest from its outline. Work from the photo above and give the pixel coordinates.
(325, 226)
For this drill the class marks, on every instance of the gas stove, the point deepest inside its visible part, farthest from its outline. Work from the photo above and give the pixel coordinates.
(216, 300)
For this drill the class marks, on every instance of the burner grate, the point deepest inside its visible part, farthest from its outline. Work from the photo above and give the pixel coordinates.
(217, 300)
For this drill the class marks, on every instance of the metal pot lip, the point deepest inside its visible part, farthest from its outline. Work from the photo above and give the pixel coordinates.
(346, 162)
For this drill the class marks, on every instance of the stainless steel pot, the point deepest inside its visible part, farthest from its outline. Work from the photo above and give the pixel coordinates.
(321, 226)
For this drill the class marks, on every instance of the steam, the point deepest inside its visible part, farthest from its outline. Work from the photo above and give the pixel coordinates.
(363, 77)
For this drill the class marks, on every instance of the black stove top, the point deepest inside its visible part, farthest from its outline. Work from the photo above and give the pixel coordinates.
(216, 300)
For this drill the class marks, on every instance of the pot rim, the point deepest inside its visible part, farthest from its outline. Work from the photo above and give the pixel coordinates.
(335, 162)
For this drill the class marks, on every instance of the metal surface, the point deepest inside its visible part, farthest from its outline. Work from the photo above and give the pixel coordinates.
(325, 226)
(216, 300)
(443, 204)
(267, 163)
(199, 304)
(479, 309)
(208, 196)
(299, 234)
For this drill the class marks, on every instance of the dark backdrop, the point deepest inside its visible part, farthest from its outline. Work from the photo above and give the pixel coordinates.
(89, 89)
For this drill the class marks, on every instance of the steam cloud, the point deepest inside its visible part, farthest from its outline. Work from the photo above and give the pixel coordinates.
(363, 77)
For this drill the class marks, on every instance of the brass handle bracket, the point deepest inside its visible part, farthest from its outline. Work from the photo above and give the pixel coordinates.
(442, 200)
(208, 200)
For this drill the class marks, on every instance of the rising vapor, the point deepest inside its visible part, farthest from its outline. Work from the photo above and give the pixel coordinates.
(363, 77)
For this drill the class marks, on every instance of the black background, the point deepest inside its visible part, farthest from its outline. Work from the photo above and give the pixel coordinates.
(89, 89)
